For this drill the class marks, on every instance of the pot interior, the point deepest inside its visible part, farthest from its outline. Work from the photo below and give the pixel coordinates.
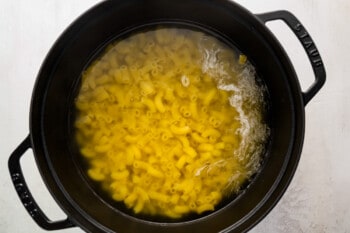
(83, 163)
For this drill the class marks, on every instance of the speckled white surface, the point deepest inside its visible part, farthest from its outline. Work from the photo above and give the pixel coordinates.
(318, 199)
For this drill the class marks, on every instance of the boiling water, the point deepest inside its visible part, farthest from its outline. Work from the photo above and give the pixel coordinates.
(170, 121)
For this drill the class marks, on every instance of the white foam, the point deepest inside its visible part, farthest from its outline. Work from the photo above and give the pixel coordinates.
(245, 91)
(185, 81)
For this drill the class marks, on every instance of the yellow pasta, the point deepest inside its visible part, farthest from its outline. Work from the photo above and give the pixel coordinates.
(154, 172)
(204, 207)
(147, 87)
(174, 112)
(158, 103)
(181, 162)
(96, 174)
(190, 151)
(102, 148)
(211, 133)
(131, 138)
(162, 122)
(205, 147)
(87, 152)
(139, 206)
(120, 175)
(120, 194)
(130, 199)
(181, 209)
(180, 130)
(149, 103)
(158, 196)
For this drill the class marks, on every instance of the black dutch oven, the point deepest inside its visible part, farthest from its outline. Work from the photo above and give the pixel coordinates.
(53, 95)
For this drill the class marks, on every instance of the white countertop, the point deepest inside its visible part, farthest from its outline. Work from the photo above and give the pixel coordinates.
(318, 199)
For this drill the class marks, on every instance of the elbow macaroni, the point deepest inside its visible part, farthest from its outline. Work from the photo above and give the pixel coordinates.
(155, 128)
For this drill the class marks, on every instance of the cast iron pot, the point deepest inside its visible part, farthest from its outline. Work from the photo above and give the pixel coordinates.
(52, 101)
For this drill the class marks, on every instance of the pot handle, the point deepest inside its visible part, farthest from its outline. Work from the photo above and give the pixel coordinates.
(24, 194)
(309, 46)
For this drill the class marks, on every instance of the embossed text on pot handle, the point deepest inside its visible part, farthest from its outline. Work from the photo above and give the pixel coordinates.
(309, 46)
(24, 194)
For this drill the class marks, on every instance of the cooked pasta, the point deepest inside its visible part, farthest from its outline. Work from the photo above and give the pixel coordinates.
(170, 121)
